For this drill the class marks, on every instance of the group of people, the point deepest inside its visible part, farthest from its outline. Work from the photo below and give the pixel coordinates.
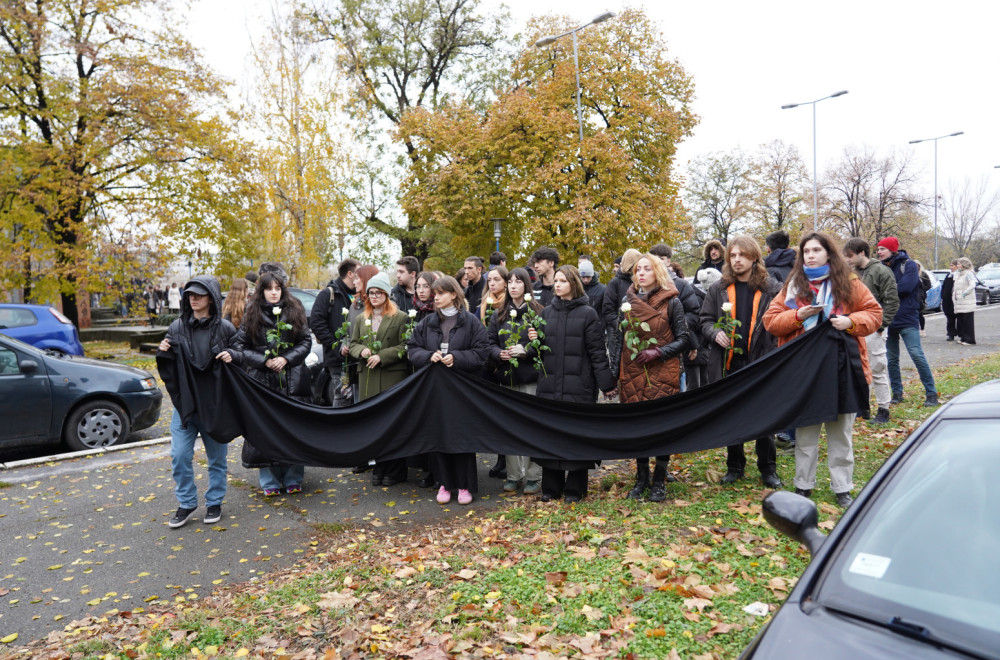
(554, 331)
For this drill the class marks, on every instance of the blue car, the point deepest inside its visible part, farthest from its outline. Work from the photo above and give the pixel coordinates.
(41, 326)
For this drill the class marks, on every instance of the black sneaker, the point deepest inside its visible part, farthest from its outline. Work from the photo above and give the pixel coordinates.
(931, 401)
(844, 500)
(896, 398)
(804, 492)
(181, 517)
(212, 515)
(882, 417)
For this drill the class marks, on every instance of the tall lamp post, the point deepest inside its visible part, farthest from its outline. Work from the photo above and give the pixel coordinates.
(935, 141)
(815, 193)
(545, 41)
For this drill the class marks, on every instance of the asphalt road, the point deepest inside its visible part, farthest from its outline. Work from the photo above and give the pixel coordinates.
(88, 535)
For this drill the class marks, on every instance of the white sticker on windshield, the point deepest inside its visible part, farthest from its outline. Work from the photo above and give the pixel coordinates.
(868, 565)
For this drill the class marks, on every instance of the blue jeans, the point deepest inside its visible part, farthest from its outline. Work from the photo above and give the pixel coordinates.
(911, 338)
(182, 461)
(282, 475)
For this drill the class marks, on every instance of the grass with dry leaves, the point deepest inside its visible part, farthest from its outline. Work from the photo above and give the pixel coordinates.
(606, 577)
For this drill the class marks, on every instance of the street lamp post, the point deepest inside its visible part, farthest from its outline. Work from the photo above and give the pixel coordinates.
(497, 230)
(545, 41)
(815, 193)
(935, 140)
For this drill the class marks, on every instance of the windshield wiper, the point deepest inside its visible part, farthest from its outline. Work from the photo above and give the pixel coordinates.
(901, 626)
(914, 630)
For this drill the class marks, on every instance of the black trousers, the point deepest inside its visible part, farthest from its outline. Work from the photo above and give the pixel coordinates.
(966, 327)
(455, 471)
(950, 322)
(736, 460)
(560, 482)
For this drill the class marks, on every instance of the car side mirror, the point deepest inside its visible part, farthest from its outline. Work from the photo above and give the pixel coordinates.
(28, 366)
(794, 516)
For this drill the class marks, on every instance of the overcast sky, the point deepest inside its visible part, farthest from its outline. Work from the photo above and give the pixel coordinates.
(913, 70)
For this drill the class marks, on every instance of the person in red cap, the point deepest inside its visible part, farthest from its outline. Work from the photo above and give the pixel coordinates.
(906, 323)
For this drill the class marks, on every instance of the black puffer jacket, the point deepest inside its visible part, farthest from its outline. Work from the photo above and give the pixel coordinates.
(468, 342)
(595, 291)
(692, 308)
(507, 374)
(326, 318)
(248, 352)
(779, 263)
(576, 365)
(614, 296)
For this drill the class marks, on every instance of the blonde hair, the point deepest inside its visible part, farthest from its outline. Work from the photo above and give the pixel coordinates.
(663, 278)
(965, 262)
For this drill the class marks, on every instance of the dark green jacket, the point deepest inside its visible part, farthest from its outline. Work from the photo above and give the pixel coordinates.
(882, 283)
(394, 368)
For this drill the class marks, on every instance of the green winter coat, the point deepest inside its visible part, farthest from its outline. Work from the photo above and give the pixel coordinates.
(394, 367)
(882, 283)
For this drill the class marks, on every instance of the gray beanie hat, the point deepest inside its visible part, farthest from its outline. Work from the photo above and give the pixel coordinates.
(380, 281)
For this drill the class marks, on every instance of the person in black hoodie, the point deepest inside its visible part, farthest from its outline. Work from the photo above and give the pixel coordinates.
(544, 261)
(187, 359)
(591, 285)
(506, 329)
(575, 368)
(326, 318)
(457, 339)
(276, 357)
(780, 258)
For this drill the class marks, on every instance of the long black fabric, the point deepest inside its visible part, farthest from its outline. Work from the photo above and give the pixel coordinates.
(812, 379)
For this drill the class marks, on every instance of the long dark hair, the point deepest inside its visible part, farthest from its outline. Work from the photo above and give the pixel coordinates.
(292, 311)
(521, 275)
(840, 272)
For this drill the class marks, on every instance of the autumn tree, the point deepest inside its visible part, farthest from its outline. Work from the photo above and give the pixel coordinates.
(403, 54)
(104, 100)
(521, 159)
(872, 196)
(780, 188)
(965, 212)
(720, 193)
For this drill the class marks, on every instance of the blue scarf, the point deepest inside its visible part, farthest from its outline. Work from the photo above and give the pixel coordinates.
(818, 277)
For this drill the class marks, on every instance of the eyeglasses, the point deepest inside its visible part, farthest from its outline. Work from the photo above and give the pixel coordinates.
(376, 292)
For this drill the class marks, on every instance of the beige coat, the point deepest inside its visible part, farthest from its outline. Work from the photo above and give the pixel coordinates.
(964, 293)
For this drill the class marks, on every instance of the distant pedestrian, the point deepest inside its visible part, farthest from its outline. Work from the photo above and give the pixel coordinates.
(780, 258)
(964, 296)
(199, 337)
(614, 296)
(477, 283)
(174, 299)
(545, 260)
(591, 285)
(251, 278)
(715, 257)
(948, 302)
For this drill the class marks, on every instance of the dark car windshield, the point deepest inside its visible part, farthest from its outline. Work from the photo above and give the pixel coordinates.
(925, 550)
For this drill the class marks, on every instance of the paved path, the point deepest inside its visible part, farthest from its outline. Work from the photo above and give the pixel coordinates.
(89, 535)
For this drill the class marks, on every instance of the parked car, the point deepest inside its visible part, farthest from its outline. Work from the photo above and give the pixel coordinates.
(933, 299)
(990, 279)
(41, 326)
(48, 397)
(982, 290)
(910, 570)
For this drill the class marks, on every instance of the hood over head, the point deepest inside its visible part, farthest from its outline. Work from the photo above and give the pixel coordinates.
(199, 284)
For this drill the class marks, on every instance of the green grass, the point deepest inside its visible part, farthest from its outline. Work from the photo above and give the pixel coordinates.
(626, 577)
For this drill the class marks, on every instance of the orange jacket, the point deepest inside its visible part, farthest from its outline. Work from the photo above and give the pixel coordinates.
(867, 316)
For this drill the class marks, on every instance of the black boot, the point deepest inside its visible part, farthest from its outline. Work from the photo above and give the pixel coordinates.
(657, 492)
(641, 479)
(499, 470)
(881, 417)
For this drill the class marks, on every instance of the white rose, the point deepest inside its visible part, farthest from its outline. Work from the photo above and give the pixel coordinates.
(277, 311)
(513, 313)
(489, 301)
(527, 296)
(344, 311)
(412, 313)
(727, 307)
(368, 321)
(626, 307)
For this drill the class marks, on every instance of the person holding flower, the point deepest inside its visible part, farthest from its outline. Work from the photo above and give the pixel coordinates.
(377, 344)
(456, 339)
(732, 322)
(272, 345)
(655, 337)
(575, 369)
(822, 286)
(508, 338)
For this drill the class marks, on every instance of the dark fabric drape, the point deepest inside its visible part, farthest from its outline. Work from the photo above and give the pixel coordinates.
(812, 379)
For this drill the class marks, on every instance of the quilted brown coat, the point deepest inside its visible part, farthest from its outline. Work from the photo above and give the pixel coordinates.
(664, 313)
